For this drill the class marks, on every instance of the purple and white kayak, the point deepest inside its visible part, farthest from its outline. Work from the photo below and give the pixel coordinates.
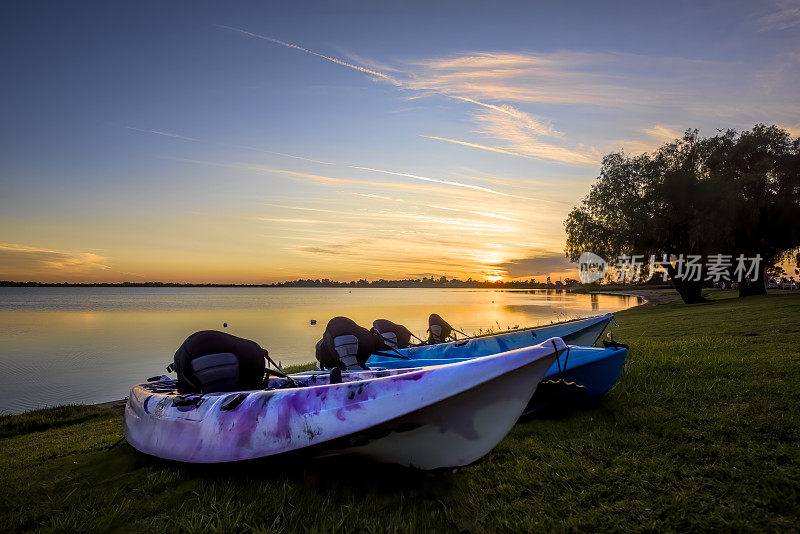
(441, 416)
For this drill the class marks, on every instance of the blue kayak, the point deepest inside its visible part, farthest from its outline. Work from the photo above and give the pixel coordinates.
(585, 372)
(584, 332)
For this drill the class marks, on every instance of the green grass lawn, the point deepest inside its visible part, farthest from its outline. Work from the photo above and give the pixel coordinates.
(703, 433)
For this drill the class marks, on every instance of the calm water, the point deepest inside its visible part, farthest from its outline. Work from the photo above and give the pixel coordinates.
(86, 345)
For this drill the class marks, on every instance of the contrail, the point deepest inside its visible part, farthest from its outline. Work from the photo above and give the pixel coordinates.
(426, 179)
(457, 184)
(307, 51)
(474, 145)
(160, 132)
(229, 145)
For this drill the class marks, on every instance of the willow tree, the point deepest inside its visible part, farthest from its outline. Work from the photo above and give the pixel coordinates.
(732, 194)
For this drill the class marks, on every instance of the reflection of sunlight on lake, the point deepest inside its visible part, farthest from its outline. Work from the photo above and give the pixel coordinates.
(61, 345)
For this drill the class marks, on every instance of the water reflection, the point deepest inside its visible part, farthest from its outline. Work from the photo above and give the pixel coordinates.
(79, 345)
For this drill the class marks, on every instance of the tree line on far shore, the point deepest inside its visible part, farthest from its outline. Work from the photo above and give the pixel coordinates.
(434, 282)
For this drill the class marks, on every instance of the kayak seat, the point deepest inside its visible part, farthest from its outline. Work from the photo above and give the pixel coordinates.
(438, 329)
(346, 345)
(210, 361)
(217, 372)
(347, 348)
(392, 335)
(390, 338)
(436, 333)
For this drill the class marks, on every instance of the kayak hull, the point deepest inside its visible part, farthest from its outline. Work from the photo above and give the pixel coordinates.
(440, 416)
(594, 370)
(464, 428)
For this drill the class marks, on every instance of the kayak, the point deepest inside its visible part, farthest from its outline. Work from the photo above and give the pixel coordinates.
(585, 373)
(444, 415)
(583, 332)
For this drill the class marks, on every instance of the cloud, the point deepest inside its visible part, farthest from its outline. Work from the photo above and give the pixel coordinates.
(539, 265)
(303, 208)
(785, 14)
(557, 77)
(20, 260)
(521, 140)
(524, 119)
(793, 129)
(291, 220)
(651, 139)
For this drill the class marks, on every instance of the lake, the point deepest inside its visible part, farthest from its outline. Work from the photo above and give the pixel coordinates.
(62, 345)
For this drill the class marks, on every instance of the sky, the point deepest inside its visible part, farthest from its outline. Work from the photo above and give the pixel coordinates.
(253, 142)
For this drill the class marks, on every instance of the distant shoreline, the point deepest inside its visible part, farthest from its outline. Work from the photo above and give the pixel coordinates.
(400, 284)
(425, 283)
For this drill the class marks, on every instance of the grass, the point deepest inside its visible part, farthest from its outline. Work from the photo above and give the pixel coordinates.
(703, 433)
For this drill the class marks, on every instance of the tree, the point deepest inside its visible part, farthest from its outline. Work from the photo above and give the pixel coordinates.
(762, 168)
(731, 194)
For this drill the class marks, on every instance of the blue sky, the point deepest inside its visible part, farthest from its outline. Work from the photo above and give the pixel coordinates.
(251, 142)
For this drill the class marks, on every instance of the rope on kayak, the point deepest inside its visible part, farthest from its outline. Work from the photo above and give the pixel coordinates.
(561, 370)
(278, 371)
(455, 338)
(459, 331)
(415, 337)
(390, 355)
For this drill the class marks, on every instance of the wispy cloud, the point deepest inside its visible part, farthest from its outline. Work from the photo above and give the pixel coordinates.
(784, 14)
(525, 120)
(19, 259)
(519, 139)
(793, 129)
(558, 77)
(302, 208)
(650, 139)
(291, 220)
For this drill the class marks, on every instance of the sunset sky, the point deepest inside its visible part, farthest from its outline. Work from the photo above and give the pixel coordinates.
(259, 142)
